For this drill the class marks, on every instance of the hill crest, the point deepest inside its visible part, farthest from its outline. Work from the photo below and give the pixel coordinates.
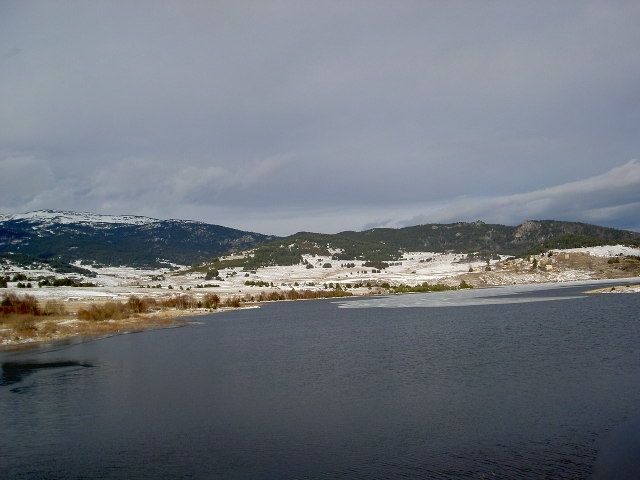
(139, 241)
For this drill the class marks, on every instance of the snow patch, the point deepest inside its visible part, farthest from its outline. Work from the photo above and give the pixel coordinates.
(50, 217)
(606, 251)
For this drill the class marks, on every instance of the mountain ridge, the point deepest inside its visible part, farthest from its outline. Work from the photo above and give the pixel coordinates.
(140, 241)
(495, 238)
(119, 239)
(68, 216)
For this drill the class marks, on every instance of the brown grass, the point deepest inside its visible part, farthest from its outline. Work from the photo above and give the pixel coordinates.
(22, 319)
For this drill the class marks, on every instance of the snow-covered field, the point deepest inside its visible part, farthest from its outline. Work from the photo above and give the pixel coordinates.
(605, 251)
(589, 267)
(122, 282)
(413, 269)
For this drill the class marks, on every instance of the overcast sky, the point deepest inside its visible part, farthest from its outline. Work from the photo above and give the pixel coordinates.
(282, 116)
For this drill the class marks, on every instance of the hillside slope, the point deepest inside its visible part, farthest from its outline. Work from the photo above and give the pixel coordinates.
(379, 246)
(137, 241)
(119, 240)
(492, 238)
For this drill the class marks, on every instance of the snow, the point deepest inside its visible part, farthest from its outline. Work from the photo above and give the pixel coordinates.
(414, 268)
(606, 251)
(120, 282)
(50, 217)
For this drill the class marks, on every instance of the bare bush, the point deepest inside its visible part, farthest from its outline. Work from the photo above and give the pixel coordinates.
(180, 302)
(107, 311)
(211, 300)
(25, 305)
(54, 307)
(233, 302)
(140, 304)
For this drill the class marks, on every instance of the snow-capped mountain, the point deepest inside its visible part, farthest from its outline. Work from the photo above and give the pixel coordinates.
(45, 217)
(136, 241)
(119, 240)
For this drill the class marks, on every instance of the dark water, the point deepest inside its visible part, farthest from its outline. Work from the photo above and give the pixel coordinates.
(494, 384)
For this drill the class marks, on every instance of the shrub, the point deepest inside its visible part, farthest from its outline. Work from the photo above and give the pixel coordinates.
(107, 311)
(212, 274)
(139, 305)
(376, 265)
(232, 302)
(256, 283)
(181, 302)
(64, 282)
(26, 305)
(211, 300)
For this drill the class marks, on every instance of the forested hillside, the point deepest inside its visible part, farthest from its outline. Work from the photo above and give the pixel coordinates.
(382, 245)
(63, 237)
(491, 238)
(131, 241)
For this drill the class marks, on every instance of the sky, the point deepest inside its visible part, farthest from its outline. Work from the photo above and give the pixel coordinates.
(324, 116)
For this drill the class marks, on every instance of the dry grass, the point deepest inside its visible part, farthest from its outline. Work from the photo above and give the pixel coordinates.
(23, 320)
(24, 329)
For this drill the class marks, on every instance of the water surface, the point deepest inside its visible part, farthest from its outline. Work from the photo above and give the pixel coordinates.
(499, 383)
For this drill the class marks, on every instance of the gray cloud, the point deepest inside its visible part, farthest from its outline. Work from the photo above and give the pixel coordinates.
(22, 178)
(281, 114)
(611, 196)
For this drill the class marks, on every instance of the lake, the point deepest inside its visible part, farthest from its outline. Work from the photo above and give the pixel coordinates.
(516, 382)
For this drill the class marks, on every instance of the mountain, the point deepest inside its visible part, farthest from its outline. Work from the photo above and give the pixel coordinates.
(119, 240)
(146, 242)
(380, 246)
(491, 238)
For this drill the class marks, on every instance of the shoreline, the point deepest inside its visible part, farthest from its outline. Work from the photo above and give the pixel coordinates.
(630, 288)
(89, 330)
(67, 329)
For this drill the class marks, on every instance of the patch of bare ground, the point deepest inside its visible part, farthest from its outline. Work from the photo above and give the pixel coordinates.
(555, 267)
(635, 288)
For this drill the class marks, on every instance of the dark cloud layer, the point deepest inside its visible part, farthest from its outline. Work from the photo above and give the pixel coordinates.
(285, 116)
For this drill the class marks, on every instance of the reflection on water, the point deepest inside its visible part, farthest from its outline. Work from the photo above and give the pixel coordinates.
(13, 372)
(308, 390)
